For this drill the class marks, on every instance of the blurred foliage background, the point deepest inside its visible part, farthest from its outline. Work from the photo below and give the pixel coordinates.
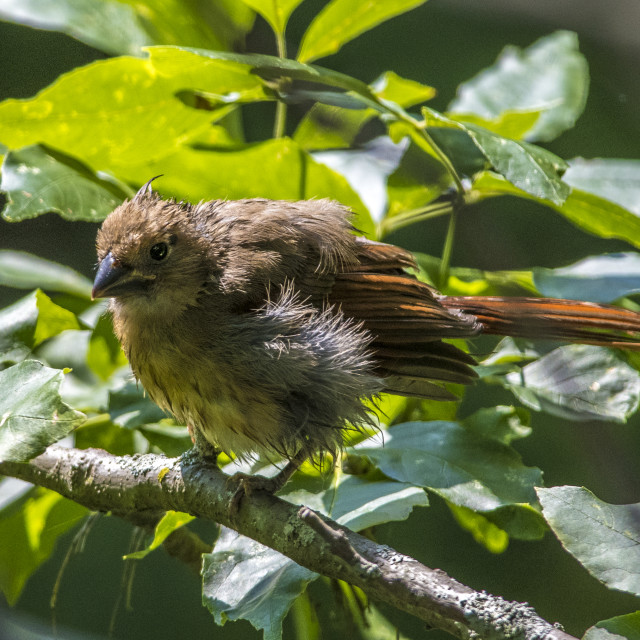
(442, 43)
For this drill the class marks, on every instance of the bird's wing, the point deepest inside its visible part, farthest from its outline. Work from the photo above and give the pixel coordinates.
(406, 319)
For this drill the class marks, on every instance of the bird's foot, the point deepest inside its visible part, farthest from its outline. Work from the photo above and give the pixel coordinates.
(245, 484)
(202, 447)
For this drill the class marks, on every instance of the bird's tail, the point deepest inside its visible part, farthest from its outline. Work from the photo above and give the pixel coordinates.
(552, 319)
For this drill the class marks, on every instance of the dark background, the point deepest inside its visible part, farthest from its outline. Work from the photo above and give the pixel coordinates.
(442, 44)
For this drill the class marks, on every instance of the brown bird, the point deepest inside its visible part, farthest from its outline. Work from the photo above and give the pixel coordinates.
(265, 326)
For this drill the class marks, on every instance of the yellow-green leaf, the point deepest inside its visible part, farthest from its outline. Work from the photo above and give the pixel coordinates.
(344, 20)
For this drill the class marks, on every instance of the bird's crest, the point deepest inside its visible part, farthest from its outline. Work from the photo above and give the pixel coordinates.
(146, 189)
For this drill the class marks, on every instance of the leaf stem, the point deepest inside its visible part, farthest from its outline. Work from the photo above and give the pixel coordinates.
(412, 216)
(281, 107)
(447, 250)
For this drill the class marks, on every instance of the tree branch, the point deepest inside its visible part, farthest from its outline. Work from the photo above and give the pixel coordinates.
(146, 484)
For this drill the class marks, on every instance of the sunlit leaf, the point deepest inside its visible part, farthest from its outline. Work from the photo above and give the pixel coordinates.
(104, 354)
(602, 278)
(403, 91)
(24, 270)
(510, 124)
(30, 321)
(275, 12)
(124, 26)
(171, 521)
(614, 179)
(585, 210)
(38, 180)
(133, 105)
(551, 76)
(32, 415)
(604, 538)
(343, 20)
(272, 68)
(579, 382)
(484, 532)
(33, 526)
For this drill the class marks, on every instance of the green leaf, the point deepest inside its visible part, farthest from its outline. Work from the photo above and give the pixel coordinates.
(30, 321)
(354, 501)
(578, 382)
(585, 210)
(509, 124)
(24, 270)
(171, 521)
(272, 68)
(124, 26)
(82, 388)
(467, 470)
(402, 91)
(38, 180)
(551, 76)
(130, 407)
(604, 538)
(484, 532)
(244, 580)
(418, 180)
(327, 127)
(602, 278)
(501, 423)
(32, 414)
(530, 168)
(330, 127)
(32, 526)
(99, 432)
(343, 20)
(170, 439)
(627, 626)
(275, 12)
(133, 108)
(610, 178)
(104, 354)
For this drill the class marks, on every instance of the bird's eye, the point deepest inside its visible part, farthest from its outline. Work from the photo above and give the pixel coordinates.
(159, 251)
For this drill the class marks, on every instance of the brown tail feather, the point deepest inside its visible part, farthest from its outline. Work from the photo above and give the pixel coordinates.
(551, 318)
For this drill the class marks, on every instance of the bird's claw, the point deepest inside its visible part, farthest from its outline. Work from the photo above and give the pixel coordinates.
(245, 484)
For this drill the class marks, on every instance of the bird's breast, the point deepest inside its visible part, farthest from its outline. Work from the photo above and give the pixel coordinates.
(227, 406)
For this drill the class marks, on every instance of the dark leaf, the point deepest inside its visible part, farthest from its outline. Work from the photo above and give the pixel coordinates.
(604, 538)
(578, 382)
(37, 180)
(32, 414)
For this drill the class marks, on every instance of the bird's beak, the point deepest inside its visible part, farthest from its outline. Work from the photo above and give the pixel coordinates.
(114, 279)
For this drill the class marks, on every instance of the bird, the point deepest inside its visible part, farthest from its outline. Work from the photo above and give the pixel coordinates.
(269, 326)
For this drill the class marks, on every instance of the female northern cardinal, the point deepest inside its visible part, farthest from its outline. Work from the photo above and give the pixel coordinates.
(266, 325)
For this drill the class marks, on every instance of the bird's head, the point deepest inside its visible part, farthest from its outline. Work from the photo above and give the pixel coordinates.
(149, 257)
